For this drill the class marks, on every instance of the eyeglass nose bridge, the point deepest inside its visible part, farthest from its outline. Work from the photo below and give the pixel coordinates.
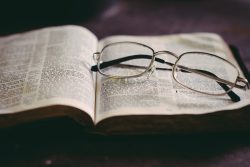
(165, 52)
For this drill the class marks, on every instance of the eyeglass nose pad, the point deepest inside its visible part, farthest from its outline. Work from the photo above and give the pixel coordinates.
(96, 56)
(151, 71)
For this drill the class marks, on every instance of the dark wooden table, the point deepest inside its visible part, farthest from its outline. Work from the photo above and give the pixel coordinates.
(61, 142)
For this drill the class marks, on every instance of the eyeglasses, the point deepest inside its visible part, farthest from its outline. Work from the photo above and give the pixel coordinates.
(198, 71)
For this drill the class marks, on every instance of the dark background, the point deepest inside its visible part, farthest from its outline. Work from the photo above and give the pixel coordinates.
(62, 142)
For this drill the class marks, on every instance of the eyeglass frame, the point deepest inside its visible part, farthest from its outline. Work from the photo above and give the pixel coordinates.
(151, 67)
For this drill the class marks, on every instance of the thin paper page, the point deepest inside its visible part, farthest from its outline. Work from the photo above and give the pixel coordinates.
(47, 67)
(160, 94)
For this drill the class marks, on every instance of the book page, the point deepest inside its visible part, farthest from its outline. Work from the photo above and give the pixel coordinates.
(160, 94)
(47, 67)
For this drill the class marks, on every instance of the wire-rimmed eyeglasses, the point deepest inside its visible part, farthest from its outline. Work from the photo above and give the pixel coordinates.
(198, 71)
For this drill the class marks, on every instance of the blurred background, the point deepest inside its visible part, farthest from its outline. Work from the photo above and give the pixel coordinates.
(229, 18)
(20, 15)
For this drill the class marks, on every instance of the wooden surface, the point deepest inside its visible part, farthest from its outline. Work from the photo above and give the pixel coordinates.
(62, 143)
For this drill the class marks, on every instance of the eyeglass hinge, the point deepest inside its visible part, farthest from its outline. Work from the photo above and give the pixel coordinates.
(243, 83)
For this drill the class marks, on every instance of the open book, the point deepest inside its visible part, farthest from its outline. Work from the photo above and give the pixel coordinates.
(47, 73)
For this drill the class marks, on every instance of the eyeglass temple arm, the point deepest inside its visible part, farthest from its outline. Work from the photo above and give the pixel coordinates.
(234, 97)
(123, 59)
(243, 81)
(231, 94)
